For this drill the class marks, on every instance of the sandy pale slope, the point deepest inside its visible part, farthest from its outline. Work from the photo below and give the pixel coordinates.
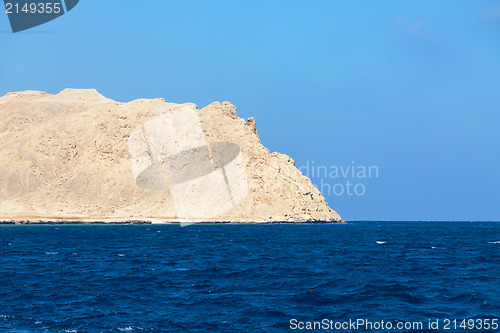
(66, 157)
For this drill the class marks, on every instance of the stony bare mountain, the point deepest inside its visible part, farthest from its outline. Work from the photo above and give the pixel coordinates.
(65, 157)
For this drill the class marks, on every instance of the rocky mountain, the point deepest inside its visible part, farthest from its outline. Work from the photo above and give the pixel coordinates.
(66, 157)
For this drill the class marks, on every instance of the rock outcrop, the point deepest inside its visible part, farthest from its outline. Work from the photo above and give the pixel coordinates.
(65, 157)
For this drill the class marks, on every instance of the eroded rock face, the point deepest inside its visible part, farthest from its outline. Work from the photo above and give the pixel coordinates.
(251, 123)
(66, 156)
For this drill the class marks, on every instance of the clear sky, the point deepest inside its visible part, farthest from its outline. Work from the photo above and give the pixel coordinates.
(411, 87)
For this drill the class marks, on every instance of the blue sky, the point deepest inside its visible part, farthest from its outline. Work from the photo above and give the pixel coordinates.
(411, 87)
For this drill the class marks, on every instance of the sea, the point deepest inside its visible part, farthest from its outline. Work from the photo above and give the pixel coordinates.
(251, 278)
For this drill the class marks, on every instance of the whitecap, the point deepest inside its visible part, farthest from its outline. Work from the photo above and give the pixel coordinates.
(497, 242)
(129, 329)
(51, 252)
(380, 242)
(121, 255)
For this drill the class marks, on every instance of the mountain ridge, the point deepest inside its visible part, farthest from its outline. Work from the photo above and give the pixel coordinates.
(65, 157)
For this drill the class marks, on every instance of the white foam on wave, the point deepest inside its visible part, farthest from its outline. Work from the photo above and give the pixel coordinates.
(129, 329)
(380, 242)
(51, 252)
(497, 242)
(121, 255)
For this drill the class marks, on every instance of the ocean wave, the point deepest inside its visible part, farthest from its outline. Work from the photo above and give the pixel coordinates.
(130, 329)
(178, 281)
(466, 298)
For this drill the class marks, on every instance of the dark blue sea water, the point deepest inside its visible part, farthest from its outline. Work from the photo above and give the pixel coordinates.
(245, 278)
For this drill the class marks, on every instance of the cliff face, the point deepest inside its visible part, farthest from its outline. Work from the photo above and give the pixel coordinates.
(66, 156)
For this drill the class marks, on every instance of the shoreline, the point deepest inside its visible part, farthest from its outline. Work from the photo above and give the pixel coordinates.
(151, 222)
